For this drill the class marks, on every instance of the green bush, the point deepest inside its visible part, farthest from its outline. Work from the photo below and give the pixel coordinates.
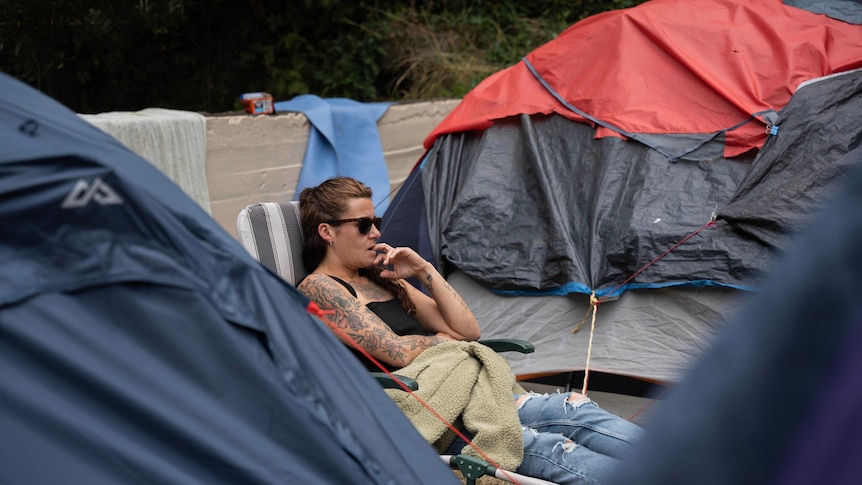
(106, 55)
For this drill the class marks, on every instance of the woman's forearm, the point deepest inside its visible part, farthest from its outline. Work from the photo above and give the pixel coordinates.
(450, 304)
(397, 351)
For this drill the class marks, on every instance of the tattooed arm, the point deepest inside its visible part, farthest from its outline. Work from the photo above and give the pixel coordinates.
(362, 325)
(445, 311)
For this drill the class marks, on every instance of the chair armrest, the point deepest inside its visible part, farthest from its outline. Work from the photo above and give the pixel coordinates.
(508, 345)
(387, 382)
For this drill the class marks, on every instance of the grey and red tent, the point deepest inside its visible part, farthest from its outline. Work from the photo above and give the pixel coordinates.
(672, 149)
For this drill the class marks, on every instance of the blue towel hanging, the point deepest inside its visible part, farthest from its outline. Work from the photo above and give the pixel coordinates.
(343, 141)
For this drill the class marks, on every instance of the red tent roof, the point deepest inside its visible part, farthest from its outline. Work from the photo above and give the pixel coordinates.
(668, 67)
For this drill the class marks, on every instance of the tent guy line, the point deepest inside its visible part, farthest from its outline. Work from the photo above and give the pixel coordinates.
(594, 301)
(711, 223)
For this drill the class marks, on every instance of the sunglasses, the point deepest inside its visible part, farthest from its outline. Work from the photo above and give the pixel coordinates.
(364, 223)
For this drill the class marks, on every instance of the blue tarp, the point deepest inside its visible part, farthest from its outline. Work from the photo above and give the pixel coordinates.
(343, 141)
(139, 343)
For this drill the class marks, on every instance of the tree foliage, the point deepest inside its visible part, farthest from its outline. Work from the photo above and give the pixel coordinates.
(107, 55)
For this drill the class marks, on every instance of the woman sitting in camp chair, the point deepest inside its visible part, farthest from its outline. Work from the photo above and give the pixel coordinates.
(566, 437)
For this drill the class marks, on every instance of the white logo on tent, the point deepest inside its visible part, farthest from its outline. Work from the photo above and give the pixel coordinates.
(82, 193)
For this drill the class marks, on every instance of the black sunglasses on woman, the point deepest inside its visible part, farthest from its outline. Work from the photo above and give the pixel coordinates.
(364, 223)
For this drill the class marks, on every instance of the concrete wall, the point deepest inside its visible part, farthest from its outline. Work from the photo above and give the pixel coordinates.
(252, 159)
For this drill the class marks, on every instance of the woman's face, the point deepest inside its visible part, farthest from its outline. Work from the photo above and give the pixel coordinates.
(350, 246)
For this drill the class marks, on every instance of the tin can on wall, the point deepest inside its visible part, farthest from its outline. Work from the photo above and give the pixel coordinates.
(256, 103)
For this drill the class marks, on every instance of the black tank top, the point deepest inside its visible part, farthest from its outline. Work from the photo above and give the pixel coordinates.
(391, 312)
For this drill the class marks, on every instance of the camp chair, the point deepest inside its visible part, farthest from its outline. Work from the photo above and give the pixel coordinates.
(272, 233)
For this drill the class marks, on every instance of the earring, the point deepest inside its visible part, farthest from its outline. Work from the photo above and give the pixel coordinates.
(330, 242)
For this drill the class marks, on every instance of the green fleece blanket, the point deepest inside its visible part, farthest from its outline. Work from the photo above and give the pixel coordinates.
(471, 385)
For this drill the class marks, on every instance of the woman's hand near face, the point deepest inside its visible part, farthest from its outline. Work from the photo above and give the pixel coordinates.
(400, 262)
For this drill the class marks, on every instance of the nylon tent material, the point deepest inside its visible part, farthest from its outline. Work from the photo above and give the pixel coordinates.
(774, 399)
(534, 212)
(520, 196)
(139, 343)
(669, 67)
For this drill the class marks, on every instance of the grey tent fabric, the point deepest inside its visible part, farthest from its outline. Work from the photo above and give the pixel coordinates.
(776, 399)
(140, 343)
(651, 334)
(495, 222)
(798, 171)
(849, 11)
(541, 206)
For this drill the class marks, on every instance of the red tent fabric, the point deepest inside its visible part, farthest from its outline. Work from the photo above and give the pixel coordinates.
(670, 67)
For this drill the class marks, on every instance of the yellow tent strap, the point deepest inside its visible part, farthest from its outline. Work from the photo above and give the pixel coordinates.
(583, 320)
(594, 304)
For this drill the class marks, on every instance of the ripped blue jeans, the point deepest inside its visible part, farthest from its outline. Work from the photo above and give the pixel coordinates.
(572, 441)
(569, 441)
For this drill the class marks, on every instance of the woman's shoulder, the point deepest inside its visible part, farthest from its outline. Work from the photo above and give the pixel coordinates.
(309, 279)
(324, 282)
(328, 293)
(317, 279)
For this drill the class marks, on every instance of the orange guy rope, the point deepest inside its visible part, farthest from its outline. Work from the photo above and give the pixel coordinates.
(595, 304)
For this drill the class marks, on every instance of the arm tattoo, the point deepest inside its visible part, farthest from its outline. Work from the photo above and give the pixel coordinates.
(448, 288)
(361, 324)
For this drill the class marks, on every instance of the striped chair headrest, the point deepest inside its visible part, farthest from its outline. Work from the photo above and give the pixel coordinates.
(271, 232)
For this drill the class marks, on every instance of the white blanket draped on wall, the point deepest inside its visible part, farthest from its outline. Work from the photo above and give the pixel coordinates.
(172, 140)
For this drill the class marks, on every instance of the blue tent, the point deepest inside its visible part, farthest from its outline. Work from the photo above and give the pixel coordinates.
(139, 343)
